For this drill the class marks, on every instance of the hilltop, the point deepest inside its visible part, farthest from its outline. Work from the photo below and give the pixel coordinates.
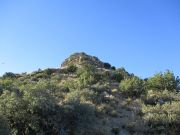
(81, 59)
(86, 96)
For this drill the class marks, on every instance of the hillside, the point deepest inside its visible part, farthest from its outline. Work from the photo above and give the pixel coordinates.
(86, 96)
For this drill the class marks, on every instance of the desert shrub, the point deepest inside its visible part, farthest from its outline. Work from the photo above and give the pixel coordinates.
(117, 77)
(163, 81)
(155, 97)
(72, 84)
(57, 77)
(49, 71)
(68, 70)
(120, 74)
(9, 102)
(106, 109)
(63, 71)
(162, 118)
(78, 110)
(7, 84)
(35, 111)
(38, 76)
(132, 87)
(78, 115)
(124, 73)
(88, 75)
(39, 109)
(83, 96)
(59, 92)
(106, 75)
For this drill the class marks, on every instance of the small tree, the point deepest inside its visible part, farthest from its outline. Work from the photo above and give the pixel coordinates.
(163, 81)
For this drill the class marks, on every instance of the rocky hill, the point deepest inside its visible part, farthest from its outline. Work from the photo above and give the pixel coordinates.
(88, 97)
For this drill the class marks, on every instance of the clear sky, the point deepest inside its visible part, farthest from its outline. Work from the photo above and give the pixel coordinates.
(141, 35)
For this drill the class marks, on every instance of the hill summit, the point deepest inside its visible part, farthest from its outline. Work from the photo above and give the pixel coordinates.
(80, 59)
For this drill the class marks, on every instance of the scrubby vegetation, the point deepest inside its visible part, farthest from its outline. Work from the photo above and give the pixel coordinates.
(88, 99)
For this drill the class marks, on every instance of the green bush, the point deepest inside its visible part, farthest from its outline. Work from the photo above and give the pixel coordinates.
(49, 71)
(155, 97)
(7, 84)
(83, 96)
(132, 87)
(123, 73)
(163, 119)
(69, 70)
(120, 74)
(88, 75)
(117, 77)
(163, 81)
(26, 111)
(78, 115)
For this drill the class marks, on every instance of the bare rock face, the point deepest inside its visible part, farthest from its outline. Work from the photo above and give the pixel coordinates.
(80, 59)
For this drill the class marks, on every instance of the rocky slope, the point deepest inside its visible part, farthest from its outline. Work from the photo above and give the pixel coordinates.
(88, 97)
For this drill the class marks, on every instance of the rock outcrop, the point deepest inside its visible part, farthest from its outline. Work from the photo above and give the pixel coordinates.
(80, 59)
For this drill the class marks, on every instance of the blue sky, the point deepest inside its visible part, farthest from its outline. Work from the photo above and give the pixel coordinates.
(141, 35)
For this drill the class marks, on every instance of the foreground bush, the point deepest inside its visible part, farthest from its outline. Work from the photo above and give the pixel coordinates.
(29, 113)
(36, 109)
(162, 119)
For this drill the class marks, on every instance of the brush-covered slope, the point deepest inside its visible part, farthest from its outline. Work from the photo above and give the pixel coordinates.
(88, 97)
